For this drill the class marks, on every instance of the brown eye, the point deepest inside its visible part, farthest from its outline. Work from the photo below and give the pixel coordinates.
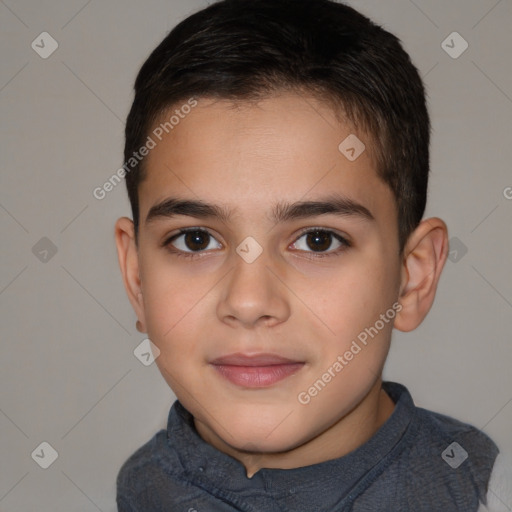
(197, 240)
(321, 241)
(192, 240)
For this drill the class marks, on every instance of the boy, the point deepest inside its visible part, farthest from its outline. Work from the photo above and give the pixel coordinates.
(278, 158)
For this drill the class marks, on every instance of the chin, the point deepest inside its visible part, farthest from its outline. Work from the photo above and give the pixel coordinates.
(258, 443)
(269, 436)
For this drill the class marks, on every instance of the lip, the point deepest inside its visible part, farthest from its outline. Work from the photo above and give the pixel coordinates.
(255, 371)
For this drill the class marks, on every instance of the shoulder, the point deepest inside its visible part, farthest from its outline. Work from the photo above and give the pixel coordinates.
(456, 438)
(150, 465)
(444, 461)
(460, 458)
(144, 457)
(499, 495)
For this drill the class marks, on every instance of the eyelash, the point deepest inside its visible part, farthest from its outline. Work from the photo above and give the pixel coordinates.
(198, 254)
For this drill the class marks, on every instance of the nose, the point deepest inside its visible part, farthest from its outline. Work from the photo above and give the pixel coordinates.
(252, 295)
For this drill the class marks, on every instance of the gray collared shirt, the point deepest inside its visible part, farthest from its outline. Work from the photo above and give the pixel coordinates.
(417, 461)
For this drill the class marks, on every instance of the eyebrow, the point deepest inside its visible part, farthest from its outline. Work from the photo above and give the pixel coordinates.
(282, 212)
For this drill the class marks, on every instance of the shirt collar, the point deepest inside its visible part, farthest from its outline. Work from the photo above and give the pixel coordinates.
(205, 466)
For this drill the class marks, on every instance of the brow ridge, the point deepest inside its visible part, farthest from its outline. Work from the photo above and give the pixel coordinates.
(280, 213)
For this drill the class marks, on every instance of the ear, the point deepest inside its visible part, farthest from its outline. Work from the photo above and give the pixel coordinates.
(127, 253)
(425, 254)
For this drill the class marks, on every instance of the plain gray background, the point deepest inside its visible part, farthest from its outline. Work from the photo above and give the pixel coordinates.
(68, 375)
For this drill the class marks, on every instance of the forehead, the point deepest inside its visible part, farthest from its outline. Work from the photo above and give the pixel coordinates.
(246, 156)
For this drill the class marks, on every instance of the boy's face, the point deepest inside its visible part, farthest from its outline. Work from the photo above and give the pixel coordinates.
(305, 298)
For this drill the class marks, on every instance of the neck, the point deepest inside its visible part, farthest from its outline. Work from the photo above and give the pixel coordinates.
(347, 434)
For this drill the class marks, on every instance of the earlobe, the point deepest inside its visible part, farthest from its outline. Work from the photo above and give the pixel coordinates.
(128, 258)
(424, 258)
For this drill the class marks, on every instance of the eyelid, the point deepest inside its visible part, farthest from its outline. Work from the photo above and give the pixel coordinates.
(332, 231)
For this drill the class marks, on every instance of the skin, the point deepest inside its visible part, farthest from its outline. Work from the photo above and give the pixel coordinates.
(292, 300)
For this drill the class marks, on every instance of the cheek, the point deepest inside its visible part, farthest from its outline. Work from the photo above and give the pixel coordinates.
(173, 304)
(351, 298)
(351, 304)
